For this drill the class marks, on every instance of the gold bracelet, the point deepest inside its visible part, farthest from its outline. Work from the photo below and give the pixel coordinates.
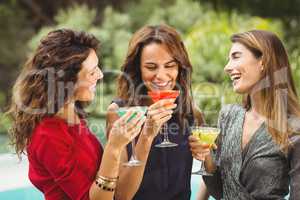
(106, 183)
(101, 186)
(110, 184)
(107, 178)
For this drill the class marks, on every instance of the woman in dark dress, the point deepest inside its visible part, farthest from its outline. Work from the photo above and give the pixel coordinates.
(258, 154)
(157, 60)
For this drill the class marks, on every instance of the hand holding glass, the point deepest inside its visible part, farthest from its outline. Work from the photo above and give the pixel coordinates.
(156, 96)
(133, 161)
(208, 136)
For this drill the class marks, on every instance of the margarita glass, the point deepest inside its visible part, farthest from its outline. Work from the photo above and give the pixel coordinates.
(156, 96)
(133, 161)
(208, 136)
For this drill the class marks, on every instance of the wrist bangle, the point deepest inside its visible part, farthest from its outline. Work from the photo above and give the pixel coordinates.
(103, 187)
(105, 184)
(107, 178)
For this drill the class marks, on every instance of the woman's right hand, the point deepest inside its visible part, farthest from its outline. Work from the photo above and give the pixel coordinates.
(123, 130)
(158, 114)
(199, 149)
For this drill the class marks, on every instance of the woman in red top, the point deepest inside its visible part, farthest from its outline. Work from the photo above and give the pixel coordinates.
(66, 161)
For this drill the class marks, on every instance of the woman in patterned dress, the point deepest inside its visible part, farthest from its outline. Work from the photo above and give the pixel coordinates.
(258, 149)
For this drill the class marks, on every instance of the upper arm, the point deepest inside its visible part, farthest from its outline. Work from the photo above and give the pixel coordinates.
(295, 168)
(202, 193)
(65, 168)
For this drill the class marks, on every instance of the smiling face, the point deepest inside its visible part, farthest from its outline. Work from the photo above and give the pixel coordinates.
(159, 70)
(244, 69)
(88, 76)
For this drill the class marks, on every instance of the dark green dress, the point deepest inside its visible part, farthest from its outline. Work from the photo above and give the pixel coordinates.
(260, 170)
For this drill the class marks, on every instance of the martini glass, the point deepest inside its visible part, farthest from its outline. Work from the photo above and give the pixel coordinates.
(156, 96)
(133, 161)
(208, 136)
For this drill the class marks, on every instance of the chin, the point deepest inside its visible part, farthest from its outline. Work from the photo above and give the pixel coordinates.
(240, 90)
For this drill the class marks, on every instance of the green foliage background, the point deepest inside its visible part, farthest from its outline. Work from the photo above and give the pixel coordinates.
(205, 31)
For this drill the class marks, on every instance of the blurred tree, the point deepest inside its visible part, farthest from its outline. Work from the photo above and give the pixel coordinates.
(263, 8)
(114, 34)
(206, 34)
(42, 13)
(205, 28)
(287, 11)
(75, 17)
(208, 41)
(14, 32)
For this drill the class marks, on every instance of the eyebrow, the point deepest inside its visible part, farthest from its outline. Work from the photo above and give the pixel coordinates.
(236, 53)
(153, 63)
(93, 68)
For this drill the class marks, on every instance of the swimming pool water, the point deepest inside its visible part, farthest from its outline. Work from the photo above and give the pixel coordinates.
(30, 193)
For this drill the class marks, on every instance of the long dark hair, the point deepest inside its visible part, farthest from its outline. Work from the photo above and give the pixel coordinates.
(46, 81)
(130, 83)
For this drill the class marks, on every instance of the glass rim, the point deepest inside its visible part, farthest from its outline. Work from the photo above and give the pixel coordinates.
(206, 128)
(139, 109)
(132, 107)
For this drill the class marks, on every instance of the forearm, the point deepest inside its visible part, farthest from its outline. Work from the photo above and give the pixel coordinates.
(131, 178)
(109, 168)
(203, 193)
(209, 164)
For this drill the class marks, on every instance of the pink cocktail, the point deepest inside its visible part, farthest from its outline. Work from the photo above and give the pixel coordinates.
(159, 95)
(163, 94)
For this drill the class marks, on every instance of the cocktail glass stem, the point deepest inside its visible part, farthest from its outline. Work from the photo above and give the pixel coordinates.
(133, 161)
(166, 142)
(202, 170)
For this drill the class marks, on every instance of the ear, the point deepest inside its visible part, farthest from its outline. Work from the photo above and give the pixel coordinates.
(261, 64)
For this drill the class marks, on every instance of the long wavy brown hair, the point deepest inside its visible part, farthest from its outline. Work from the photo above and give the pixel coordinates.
(276, 90)
(46, 82)
(130, 84)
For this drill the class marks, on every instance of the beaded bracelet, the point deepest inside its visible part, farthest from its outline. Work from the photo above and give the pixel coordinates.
(107, 184)
(101, 186)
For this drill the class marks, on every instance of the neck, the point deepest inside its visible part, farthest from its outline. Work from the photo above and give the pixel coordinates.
(256, 109)
(67, 112)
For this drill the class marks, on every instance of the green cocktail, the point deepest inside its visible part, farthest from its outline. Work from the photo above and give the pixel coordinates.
(133, 161)
(207, 135)
(137, 109)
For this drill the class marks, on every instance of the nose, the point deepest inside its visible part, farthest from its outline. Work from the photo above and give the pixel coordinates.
(99, 74)
(228, 67)
(162, 74)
